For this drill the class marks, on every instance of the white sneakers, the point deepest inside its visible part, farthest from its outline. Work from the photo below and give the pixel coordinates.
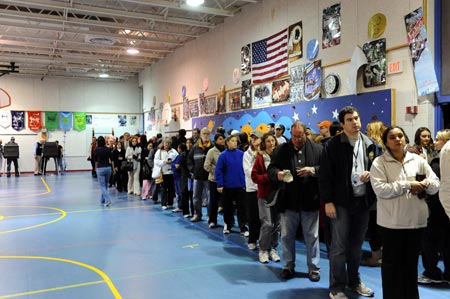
(273, 254)
(263, 256)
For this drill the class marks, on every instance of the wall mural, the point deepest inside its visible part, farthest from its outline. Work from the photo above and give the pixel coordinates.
(376, 105)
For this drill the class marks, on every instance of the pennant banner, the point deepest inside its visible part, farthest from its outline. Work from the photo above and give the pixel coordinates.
(270, 57)
(421, 56)
(51, 120)
(5, 119)
(79, 121)
(18, 120)
(34, 120)
(65, 121)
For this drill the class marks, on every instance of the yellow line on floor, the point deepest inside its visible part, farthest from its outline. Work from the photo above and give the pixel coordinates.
(62, 212)
(102, 274)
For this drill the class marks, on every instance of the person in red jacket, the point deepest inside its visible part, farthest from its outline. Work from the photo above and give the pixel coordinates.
(268, 215)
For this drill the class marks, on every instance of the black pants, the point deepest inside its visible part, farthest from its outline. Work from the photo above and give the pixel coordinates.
(167, 190)
(435, 240)
(373, 230)
(8, 166)
(187, 202)
(213, 205)
(232, 196)
(254, 225)
(400, 260)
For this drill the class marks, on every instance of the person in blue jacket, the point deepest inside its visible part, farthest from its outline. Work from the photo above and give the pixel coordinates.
(230, 180)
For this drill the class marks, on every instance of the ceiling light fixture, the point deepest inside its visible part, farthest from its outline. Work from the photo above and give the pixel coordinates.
(103, 75)
(194, 2)
(132, 51)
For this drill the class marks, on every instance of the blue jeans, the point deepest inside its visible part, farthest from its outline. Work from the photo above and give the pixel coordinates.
(103, 175)
(178, 191)
(199, 186)
(310, 225)
(347, 236)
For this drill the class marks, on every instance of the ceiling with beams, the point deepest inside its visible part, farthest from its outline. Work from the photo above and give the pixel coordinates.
(84, 38)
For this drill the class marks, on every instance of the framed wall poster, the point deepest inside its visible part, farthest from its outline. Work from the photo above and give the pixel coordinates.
(246, 94)
(313, 80)
(281, 91)
(194, 109)
(202, 102)
(210, 105)
(234, 100)
(262, 95)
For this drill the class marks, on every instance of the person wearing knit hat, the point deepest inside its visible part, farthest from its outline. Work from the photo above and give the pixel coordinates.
(324, 128)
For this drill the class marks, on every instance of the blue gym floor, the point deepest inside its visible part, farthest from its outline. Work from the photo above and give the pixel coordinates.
(56, 241)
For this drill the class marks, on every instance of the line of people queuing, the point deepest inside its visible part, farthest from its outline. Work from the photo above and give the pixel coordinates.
(376, 184)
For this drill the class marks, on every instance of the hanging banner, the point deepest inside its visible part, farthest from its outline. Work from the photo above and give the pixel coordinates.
(420, 53)
(65, 121)
(331, 26)
(18, 120)
(5, 119)
(34, 120)
(295, 42)
(79, 121)
(51, 120)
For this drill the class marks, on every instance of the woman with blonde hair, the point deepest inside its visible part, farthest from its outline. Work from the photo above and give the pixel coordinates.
(375, 130)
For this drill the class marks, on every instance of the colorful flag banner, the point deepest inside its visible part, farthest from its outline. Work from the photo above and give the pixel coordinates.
(34, 120)
(421, 56)
(18, 120)
(79, 121)
(65, 121)
(51, 120)
(269, 58)
(5, 119)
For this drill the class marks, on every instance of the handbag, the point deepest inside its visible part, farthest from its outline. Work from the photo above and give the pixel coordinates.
(159, 179)
(127, 165)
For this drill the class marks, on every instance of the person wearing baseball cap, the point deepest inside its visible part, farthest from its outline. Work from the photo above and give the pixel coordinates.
(324, 128)
(279, 133)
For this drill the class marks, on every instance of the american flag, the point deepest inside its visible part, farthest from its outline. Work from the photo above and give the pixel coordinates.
(270, 57)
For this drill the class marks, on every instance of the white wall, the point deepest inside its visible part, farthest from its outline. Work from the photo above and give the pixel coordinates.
(215, 54)
(72, 95)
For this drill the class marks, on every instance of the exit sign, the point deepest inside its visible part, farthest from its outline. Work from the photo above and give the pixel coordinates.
(395, 67)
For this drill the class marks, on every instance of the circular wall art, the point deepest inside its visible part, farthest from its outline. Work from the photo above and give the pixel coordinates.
(312, 49)
(377, 25)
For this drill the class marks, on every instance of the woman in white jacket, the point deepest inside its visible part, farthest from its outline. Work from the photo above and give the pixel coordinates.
(162, 164)
(399, 179)
(133, 153)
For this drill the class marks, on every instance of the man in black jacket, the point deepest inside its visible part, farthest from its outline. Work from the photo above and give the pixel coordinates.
(195, 162)
(295, 165)
(346, 191)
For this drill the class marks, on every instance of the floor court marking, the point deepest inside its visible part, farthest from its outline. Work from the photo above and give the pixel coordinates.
(102, 274)
(61, 212)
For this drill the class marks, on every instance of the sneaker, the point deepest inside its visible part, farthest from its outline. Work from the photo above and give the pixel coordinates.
(273, 254)
(226, 231)
(245, 234)
(337, 295)
(212, 225)
(164, 207)
(314, 275)
(177, 210)
(196, 219)
(287, 274)
(362, 290)
(251, 246)
(186, 215)
(427, 280)
(263, 256)
(107, 204)
(219, 210)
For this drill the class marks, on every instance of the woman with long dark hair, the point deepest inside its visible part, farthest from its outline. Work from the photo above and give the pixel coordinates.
(399, 178)
(102, 158)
